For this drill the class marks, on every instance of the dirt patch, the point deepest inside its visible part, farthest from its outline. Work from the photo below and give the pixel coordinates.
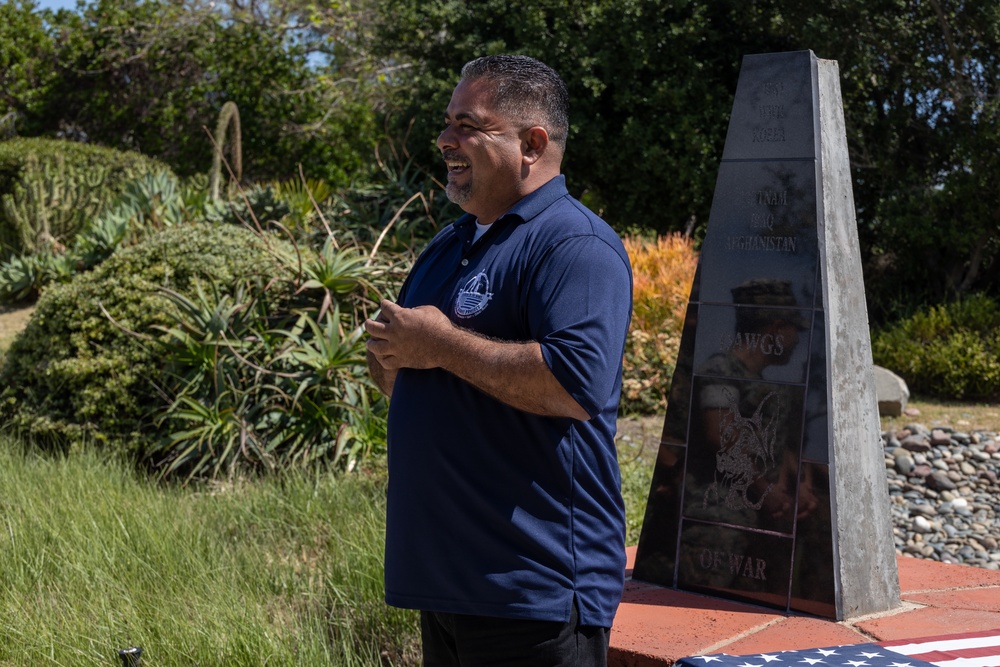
(639, 437)
(12, 320)
(953, 414)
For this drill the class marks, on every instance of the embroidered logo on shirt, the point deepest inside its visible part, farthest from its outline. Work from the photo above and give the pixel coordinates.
(472, 298)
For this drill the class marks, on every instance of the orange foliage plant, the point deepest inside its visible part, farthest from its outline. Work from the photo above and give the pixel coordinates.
(662, 272)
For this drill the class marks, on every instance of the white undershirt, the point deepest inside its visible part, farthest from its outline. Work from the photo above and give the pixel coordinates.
(480, 230)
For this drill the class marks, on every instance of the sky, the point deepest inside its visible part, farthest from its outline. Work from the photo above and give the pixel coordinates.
(56, 4)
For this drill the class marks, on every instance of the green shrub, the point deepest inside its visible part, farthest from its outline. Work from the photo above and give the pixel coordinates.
(74, 374)
(50, 188)
(264, 380)
(946, 351)
(205, 350)
(213, 356)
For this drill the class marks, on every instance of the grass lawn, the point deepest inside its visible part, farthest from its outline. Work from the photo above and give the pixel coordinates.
(275, 572)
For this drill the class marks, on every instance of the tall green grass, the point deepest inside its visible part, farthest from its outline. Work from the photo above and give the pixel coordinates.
(637, 474)
(276, 572)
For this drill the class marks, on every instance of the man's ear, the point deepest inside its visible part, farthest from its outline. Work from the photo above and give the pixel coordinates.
(534, 141)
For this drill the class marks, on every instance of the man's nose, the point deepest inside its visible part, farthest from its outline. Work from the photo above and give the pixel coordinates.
(446, 139)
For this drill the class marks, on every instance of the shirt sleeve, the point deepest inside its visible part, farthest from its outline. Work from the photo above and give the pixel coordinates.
(579, 308)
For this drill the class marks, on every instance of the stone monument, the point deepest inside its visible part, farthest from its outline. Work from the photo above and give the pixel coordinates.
(769, 485)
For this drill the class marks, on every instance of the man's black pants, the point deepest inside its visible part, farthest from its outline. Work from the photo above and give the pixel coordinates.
(457, 640)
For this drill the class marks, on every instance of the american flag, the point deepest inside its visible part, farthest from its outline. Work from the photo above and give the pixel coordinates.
(969, 649)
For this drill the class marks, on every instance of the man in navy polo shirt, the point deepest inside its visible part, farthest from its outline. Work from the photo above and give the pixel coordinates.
(503, 358)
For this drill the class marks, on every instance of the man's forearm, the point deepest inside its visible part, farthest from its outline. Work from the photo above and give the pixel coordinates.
(513, 373)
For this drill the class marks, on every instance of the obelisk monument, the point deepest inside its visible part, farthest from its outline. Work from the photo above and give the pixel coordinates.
(769, 485)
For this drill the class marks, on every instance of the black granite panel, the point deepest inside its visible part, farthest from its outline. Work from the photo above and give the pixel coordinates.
(656, 554)
(774, 109)
(744, 450)
(675, 424)
(762, 228)
(696, 285)
(775, 339)
(813, 582)
(816, 439)
(818, 301)
(735, 563)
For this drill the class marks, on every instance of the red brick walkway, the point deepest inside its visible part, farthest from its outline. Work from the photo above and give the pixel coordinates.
(655, 626)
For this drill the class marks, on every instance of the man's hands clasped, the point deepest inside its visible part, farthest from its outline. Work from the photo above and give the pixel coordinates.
(407, 337)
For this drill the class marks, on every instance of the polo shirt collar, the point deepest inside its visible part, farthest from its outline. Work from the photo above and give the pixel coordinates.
(534, 203)
(527, 207)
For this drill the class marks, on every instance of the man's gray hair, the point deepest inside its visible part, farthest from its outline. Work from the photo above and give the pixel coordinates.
(525, 90)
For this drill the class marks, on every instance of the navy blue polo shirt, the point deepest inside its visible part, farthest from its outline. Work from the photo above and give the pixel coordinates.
(491, 510)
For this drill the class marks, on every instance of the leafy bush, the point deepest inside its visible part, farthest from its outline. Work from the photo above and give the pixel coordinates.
(662, 273)
(947, 351)
(205, 356)
(303, 198)
(262, 379)
(77, 372)
(50, 188)
(205, 350)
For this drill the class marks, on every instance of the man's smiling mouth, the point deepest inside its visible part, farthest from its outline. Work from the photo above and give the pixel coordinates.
(454, 161)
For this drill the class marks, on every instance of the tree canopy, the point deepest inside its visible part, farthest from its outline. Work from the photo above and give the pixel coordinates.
(921, 84)
(150, 75)
(651, 84)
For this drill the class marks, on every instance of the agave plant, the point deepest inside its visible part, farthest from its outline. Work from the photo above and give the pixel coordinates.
(260, 379)
(208, 339)
(341, 272)
(155, 200)
(213, 438)
(20, 278)
(341, 275)
(256, 207)
(23, 277)
(305, 199)
(101, 237)
(331, 389)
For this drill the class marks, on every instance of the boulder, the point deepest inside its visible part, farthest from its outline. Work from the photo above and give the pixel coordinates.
(891, 392)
